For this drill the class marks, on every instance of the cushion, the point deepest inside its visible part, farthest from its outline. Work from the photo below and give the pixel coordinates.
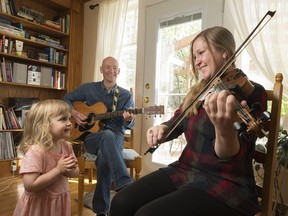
(130, 154)
(89, 157)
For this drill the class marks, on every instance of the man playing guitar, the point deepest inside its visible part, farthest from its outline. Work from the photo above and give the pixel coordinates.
(107, 142)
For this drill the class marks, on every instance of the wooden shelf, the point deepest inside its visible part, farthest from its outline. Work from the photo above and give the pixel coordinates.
(12, 130)
(34, 26)
(31, 86)
(33, 43)
(32, 61)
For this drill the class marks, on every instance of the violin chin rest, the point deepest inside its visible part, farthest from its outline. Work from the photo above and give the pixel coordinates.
(257, 106)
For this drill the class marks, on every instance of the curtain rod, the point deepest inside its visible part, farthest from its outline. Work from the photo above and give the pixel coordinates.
(93, 6)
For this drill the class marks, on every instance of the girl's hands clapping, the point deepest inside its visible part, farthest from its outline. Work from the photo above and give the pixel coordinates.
(67, 163)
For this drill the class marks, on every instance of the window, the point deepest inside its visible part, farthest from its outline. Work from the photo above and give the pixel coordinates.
(128, 51)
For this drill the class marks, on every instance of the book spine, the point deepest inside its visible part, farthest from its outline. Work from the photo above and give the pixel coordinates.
(12, 7)
(7, 119)
(1, 118)
(6, 43)
(3, 6)
(3, 43)
(8, 9)
(3, 67)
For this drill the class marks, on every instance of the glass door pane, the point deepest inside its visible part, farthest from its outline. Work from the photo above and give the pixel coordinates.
(173, 74)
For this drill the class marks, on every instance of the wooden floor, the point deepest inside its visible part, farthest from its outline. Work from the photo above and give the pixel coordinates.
(11, 191)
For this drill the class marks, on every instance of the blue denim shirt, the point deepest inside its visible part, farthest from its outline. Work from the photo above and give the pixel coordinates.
(95, 92)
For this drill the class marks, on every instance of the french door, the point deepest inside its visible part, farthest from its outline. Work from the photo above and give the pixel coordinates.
(170, 27)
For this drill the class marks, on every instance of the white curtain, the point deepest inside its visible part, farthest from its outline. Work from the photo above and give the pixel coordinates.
(269, 49)
(111, 20)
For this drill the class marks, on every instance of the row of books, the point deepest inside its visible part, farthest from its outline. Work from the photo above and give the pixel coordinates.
(31, 14)
(6, 71)
(8, 119)
(59, 23)
(49, 38)
(7, 45)
(31, 74)
(7, 146)
(8, 7)
(47, 41)
(12, 116)
(50, 54)
(6, 27)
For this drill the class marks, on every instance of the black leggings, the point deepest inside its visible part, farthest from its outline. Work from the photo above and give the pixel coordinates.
(155, 195)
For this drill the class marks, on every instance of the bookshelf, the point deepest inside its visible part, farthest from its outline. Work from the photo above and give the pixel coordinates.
(70, 40)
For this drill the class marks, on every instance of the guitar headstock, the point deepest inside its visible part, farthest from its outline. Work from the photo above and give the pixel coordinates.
(154, 110)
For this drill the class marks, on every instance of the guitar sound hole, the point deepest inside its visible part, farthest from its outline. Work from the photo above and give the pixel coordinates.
(90, 120)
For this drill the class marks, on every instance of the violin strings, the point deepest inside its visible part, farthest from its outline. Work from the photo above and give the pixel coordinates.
(238, 107)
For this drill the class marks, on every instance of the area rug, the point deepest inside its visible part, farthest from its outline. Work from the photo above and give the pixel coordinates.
(88, 197)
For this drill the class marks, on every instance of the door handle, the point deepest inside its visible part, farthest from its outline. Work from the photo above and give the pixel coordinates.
(145, 99)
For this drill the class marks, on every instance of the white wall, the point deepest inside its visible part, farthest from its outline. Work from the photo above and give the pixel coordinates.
(89, 43)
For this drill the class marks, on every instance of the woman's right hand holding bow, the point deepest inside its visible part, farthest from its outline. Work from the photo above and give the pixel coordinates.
(155, 134)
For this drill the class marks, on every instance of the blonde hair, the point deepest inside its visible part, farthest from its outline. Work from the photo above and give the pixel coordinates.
(220, 39)
(37, 124)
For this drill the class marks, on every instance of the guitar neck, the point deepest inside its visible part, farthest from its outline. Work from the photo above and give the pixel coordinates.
(111, 115)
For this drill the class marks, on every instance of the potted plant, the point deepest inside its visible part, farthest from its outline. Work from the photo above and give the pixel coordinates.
(282, 149)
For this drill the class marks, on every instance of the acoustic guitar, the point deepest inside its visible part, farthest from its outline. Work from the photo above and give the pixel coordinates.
(98, 111)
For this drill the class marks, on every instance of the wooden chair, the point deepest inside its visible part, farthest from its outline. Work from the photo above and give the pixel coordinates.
(132, 159)
(87, 167)
(81, 164)
(269, 159)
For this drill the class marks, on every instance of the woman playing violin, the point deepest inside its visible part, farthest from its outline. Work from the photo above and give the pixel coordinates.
(214, 174)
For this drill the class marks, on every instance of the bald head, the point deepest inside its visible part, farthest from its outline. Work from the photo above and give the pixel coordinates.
(110, 61)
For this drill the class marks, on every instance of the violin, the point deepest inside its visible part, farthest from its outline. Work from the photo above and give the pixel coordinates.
(237, 84)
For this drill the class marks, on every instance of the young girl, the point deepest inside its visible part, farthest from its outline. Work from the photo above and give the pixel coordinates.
(48, 160)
